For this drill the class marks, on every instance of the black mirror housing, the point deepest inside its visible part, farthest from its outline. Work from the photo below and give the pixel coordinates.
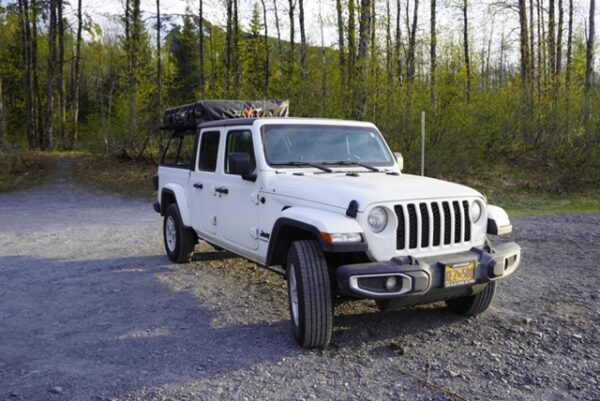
(239, 164)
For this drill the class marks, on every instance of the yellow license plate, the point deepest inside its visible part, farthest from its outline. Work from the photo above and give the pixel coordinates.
(459, 274)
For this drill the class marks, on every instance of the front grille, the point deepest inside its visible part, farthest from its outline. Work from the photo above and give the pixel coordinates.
(426, 224)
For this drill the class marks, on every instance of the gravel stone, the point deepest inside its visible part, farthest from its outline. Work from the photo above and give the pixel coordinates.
(88, 299)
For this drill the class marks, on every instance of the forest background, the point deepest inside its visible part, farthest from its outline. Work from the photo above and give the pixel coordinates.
(508, 88)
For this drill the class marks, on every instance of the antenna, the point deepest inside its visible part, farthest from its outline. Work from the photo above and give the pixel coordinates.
(423, 142)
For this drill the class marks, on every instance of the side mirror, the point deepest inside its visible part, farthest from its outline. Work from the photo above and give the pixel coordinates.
(399, 160)
(239, 164)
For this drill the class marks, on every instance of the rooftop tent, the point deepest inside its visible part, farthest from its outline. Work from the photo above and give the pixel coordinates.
(191, 115)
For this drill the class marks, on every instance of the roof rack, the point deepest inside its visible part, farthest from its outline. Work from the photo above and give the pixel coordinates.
(189, 116)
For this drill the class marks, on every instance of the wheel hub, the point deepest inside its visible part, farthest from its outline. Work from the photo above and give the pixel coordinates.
(170, 234)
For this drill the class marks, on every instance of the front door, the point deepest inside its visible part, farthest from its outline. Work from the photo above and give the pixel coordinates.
(238, 198)
(203, 181)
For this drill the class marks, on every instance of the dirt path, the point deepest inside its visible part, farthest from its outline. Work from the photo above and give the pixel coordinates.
(91, 309)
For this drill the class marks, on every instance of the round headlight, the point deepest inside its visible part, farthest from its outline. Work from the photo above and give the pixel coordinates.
(377, 219)
(476, 211)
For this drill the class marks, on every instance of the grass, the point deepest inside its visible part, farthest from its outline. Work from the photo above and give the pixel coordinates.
(522, 202)
(22, 170)
(109, 174)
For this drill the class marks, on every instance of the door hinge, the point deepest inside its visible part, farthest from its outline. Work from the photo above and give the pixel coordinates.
(255, 197)
(254, 232)
(213, 220)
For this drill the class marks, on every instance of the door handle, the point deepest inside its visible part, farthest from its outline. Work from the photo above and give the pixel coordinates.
(198, 185)
(222, 190)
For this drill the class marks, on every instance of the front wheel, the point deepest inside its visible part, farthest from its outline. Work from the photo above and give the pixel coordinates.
(310, 295)
(474, 304)
(179, 240)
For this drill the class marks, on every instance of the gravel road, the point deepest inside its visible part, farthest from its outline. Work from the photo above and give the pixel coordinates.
(91, 309)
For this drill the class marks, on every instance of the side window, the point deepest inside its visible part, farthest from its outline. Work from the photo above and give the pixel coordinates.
(239, 142)
(209, 147)
(179, 151)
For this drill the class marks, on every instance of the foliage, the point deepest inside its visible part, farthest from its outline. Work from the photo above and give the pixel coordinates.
(541, 135)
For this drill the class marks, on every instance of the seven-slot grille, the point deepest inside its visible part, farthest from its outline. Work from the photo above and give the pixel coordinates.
(427, 224)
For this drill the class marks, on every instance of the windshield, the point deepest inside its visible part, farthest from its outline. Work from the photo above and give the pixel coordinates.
(298, 144)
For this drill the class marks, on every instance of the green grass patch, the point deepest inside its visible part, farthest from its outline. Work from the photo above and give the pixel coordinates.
(519, 202)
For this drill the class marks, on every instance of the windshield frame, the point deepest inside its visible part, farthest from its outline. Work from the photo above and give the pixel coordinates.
(372, 129)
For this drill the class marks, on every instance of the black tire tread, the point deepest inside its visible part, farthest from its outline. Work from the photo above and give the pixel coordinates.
(186, 237)
(317, 300)
(474, 304)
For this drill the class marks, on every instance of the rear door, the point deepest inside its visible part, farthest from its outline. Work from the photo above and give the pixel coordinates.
(238, 203)
(204, 180)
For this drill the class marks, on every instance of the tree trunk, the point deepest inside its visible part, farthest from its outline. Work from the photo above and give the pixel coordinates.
(277, 27)
(432, 54)
(61, 74)
(531, 41)
(551, 39)
(77, 77)
(291, 55)
(303, 45)
(351, 43)
(133, 31)
(558, 67)
(388, 48)
(412, 38)
(228, 47)
(398, 39)
(569, 50)
(267, 50)
(159, 76)
(236, 49)
(201, 80)
(362, 60)
(49, 140)
(540, 48)
(524, 44)
(24, 28)
(35, 68)
(341, 46)
(465, 11)
(589, 70)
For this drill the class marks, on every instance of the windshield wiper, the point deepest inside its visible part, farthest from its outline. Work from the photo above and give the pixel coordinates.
(351, 163)
(308, 164)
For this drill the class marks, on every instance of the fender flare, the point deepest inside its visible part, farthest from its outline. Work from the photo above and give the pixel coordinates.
(313, 222)
(179, 195)
(498, 221)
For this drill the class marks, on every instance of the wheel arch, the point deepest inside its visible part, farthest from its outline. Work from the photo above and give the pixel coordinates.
(175, 194)
(288, 229)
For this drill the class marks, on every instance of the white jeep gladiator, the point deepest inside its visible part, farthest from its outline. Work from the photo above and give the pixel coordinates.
(325, 203)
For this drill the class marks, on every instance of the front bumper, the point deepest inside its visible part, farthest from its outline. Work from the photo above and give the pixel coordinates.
(423, 279)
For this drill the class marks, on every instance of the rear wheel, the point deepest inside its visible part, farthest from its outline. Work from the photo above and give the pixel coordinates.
(310, 295)
(474, 304)
(179, 240)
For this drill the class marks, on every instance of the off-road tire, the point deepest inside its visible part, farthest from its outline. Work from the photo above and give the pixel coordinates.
(313, 324)
(474, 304)
(184, 239)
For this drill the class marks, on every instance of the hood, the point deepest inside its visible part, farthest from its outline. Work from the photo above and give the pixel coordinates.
(338, 189)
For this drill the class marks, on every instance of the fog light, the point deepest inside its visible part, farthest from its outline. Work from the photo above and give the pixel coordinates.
(390, 283)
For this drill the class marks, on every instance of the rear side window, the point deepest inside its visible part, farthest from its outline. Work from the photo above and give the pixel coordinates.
(179, 151)
(209, 148)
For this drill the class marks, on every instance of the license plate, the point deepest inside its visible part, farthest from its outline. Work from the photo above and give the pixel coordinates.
(459, 274)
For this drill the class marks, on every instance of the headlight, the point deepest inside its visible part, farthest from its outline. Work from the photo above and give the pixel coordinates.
(476, 211)
(377, 219)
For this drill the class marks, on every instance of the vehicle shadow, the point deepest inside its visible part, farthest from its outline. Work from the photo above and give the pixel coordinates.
(121, 325)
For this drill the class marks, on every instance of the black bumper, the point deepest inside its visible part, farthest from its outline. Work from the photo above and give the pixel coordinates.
(423, 279)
